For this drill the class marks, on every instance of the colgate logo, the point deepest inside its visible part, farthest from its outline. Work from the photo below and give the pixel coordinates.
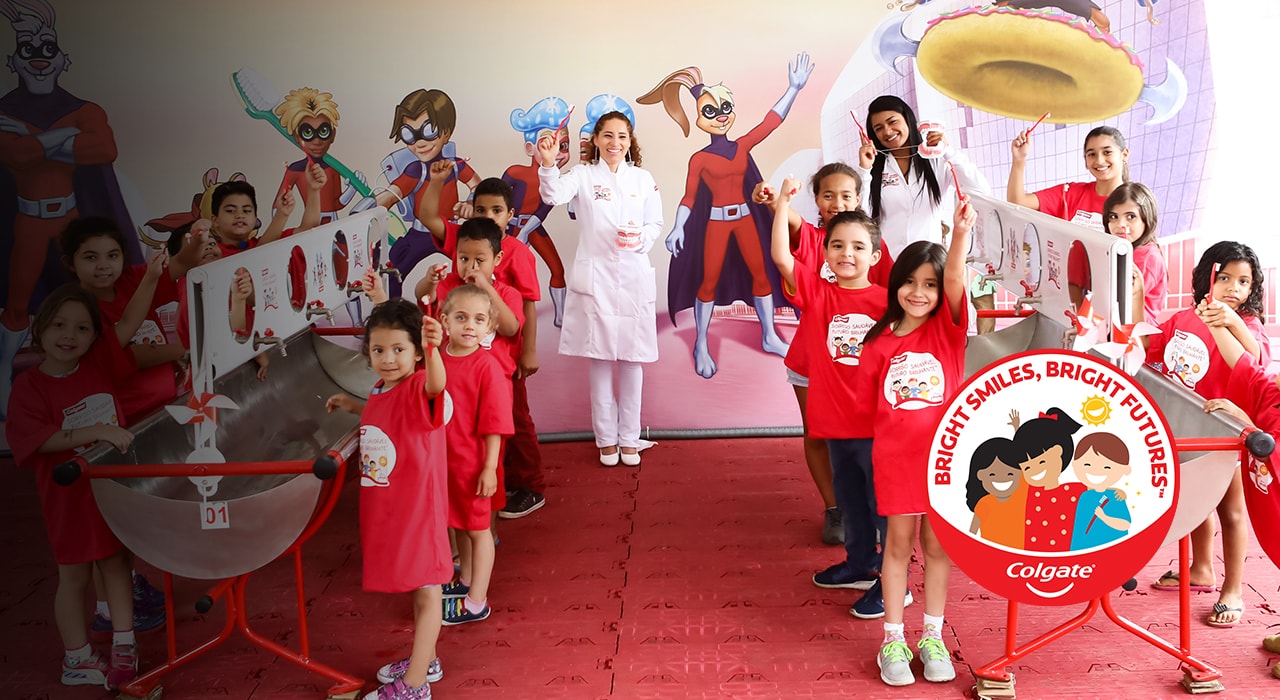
(1048, 573)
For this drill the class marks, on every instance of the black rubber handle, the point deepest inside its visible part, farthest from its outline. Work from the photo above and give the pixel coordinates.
(325, 468)
(65, 474)
(1260, 444)
(204, 604)
(1130, 585)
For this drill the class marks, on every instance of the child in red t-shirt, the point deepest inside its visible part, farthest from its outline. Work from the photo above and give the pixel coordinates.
(93, 249)
(522, 458)
(836, 188)
(480, 390)
(1228, 290)
(58, 408)
(1130, 213)
(919, 339)
(834, 317)
(403, 475)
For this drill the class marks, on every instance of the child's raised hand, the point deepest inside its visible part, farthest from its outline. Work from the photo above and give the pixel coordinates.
(285, 203)
(488, 483)
(373, 286)
(964, 218)
(790, 186)
(157, 263)
(1217, 314)
(1021, 146)
(432, 331)
(763, 194)
(474, 276)
(1229, 408)
(242, 287)
(440, 169)
(439, 272)
(316, 177)
(262, 362)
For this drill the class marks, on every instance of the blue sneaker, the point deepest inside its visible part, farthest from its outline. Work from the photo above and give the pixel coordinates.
(145, 596)
(455, 588)
(390, 672)
(871, 605)
(143, 621)
(456, 613)
(839, 576)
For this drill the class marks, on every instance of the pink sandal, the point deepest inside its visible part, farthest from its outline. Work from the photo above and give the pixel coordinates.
(1174, 576)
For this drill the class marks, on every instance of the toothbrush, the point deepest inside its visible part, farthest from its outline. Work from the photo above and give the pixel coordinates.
(260, 101)
(1044, 116)
(565, 122)
(859, 125)
(1101, 504)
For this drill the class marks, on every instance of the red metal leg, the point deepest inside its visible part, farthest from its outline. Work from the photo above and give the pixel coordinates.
(995, 669)
(1198, 670)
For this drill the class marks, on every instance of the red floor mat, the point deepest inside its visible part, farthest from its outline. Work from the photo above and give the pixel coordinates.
(686, 578)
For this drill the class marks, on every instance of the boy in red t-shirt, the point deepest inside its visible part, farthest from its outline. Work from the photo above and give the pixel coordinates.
(840, 313)
(495, 200)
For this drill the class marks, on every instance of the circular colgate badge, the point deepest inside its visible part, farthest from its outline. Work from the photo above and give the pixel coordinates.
(1052, 478)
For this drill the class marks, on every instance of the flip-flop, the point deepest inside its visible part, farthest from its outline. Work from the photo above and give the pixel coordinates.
(1171, 574)
(1218, 609)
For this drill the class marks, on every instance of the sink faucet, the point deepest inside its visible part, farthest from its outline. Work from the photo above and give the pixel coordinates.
(314, 311)
(259, 340)
(389, 269)
(1028, 299)
(1069, 338)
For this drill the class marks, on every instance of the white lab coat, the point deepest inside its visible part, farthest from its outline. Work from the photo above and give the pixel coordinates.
(907, 214)
(610, 309)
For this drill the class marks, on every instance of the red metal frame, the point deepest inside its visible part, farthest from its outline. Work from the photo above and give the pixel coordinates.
(1005, 313)
(232, 590)
(1195, 669)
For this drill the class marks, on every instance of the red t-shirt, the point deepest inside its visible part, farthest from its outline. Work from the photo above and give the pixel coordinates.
(1077, 202)
(1255, 392)
(229, 249)
(809, 253)
(1187, 353)
(480, 394)
(404, 491)
(152, 387)
(506, 349)
(518, 268)
(42, 405)
(906, 382)
(1155, 280)
(837, 320)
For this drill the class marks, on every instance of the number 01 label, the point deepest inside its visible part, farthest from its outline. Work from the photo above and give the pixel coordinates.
(214, 515)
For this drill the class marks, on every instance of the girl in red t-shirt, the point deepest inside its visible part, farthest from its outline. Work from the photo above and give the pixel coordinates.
(93, 249)
(1107, 160)
(837, 188)
(58, 409)
(482, 415)
(1130, 213)
(403, 500)
(1227, 285)
(920, 339)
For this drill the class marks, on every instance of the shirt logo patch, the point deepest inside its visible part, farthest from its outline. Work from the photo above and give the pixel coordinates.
(600, 192)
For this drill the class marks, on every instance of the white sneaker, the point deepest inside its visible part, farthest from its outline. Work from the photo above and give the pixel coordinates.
(894, 661)
(937, 660)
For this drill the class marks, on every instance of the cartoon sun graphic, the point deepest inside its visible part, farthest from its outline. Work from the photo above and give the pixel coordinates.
(1095, 410)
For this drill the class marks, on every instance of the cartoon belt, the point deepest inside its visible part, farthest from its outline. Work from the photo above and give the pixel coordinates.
(733, 212)
(50, 208)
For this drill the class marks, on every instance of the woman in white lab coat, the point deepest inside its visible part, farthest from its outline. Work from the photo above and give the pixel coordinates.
(609, 312)
(908, 192)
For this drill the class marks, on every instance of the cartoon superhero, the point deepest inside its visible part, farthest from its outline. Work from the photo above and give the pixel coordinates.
(717, 208)
(424, 122)
(56, 151)
(541, 120)
(311, 117)
(1080, 8)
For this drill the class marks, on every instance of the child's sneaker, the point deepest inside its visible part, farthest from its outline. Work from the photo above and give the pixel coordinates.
(124, 665)
(390, 672)
(144, 621)
(456, 613)
(145, 596)
(90, 671)
(937, 660)
(894, 661)
(455, 588)
(399, 690)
